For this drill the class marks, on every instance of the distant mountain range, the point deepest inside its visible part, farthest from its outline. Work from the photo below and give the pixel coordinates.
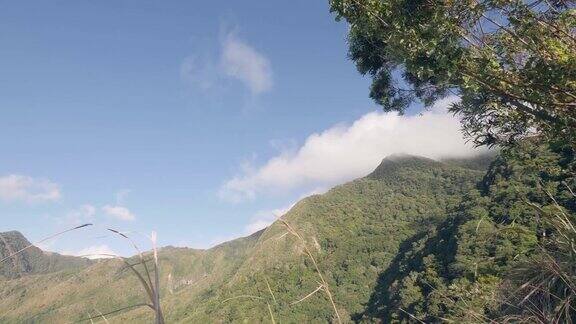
(356, 232)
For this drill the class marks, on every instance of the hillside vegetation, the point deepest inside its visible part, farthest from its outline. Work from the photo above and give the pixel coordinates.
(355, 231)
(507, 253)
(33, 260)
(414, 240)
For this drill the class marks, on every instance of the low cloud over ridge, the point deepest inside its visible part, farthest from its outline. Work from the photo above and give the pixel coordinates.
(344, 152)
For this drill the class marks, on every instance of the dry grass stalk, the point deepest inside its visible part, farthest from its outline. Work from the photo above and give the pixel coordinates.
(151, 287)
(103, 315)
(548, 290)
(271, 314)
(411, 315)
(324, 284)
(158, 308)
(306, 297)
(268, 304)
(90, 317)
(270, 290)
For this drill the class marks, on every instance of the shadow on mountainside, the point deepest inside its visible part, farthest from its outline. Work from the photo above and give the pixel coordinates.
(440, 242)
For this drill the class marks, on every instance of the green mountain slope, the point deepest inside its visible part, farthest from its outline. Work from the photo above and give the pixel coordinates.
(484, 260)
(32, 260)
(105, 286)
(355, 232)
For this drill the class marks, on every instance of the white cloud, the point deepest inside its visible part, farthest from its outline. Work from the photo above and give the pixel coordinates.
(346, 152)
(16, 187)
(94, 252)
(241, 61)
(119, 212)
(234, 60)
(81, 215)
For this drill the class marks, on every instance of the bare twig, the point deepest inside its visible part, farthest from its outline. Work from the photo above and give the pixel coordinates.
(271, 314)
(309, 295)
(411, 316)
(103, 316)
(157, 308)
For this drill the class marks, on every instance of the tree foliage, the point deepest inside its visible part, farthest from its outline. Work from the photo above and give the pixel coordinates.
(496, 257)
(512, 62)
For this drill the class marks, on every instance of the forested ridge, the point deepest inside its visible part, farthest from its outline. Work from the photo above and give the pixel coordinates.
(415, 239)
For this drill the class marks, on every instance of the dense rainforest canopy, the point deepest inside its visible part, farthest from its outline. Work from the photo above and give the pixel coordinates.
(492, 258)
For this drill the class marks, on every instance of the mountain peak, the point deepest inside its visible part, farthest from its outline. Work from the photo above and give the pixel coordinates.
(11, 242)
(13, 236)
(32, 260)
(393, 163)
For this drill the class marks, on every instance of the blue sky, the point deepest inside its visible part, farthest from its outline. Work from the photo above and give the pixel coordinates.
(202, 121)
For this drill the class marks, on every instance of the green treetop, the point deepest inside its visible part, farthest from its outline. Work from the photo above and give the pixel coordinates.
(512, 62)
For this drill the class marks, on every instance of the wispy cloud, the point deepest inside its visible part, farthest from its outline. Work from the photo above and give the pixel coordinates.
(20, 188)
(81, 215)
(345, 152)
(235, 59)
(119, 212)
(241, 61)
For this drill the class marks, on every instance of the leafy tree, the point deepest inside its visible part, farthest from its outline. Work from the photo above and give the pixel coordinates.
(512, 62)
